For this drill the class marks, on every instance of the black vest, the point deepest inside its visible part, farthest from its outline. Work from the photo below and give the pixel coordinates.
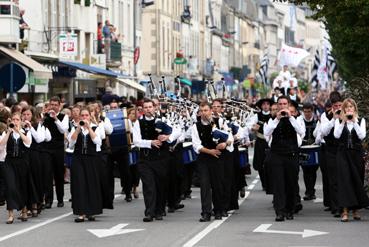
(284, 137)
(84, 144)
(57, 138)
(147, 128)
(309, 134)
(262, 119)
(349, 139)
(330, 140)
(15, 148)
(205, 135)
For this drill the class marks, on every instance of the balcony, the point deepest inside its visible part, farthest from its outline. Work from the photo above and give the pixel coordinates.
(112, 51)
(9, 22)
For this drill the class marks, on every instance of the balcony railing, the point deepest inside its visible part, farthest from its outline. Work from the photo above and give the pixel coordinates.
(112, 50)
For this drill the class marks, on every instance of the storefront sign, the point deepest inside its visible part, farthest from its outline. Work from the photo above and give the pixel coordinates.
(68, 45)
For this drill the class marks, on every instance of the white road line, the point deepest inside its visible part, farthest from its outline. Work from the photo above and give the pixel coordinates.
(34, 227)
(17, 233)
(214, 224)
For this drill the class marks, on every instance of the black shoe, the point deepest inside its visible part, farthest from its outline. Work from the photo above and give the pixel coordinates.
(148, 218)
(70, 200)
(188, 196)
(205, 218)
(158, 217)
(60, 204)
(171, 210)
(279, 217)
(242, 193)
(183, 197)
(337, 214)
(298, 208)
(79, 220)
(225, 214)
(2, 203)
(178, 206)
(128, 199)
(48, 205)
(91, 218)
(218, 216)
(289, 216)
(309, 197)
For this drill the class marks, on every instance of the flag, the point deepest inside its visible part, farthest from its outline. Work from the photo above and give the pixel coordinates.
(263, 71)
(323, 70)
(331, 64)
(314, 71)
(291, 55)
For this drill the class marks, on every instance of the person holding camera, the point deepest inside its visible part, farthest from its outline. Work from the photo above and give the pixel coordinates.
(58, 124)
(350, 130)
(16, 168)
(284, 131)
(86, 184)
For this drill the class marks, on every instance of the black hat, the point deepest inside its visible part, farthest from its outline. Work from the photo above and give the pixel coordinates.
(261, 101)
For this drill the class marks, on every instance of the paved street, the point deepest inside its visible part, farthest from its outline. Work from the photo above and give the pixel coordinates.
(55, 227)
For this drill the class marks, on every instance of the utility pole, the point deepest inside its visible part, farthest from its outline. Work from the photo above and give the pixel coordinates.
(134, 36)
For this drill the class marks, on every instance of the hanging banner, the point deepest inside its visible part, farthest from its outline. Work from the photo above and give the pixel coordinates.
(68, 45)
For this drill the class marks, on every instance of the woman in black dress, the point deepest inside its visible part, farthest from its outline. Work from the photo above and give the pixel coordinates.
(86, 170)
(350, 130)
(16, 169)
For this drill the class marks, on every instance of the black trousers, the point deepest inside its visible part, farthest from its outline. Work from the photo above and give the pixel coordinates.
(54, 171)
(228, 179)
(175, 177)
(210, 173)
(284, 168)
(332, 177)
(2, 182)
(188, 170)
(309, 173)
(153, 174)
(323, 169)
(120, 156)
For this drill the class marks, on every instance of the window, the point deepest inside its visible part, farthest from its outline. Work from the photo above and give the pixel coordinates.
(5, 10)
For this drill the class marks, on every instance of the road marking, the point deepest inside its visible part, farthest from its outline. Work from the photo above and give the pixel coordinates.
(215, 224)
(17, 233)
(115, 230)
(263, 228)
(251, 187)
(34, 227)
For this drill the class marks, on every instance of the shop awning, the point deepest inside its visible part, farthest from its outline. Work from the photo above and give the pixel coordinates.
(39, 71)
(90, 69)
(132, 84)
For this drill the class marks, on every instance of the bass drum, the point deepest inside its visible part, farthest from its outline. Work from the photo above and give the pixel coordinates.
(118, 119)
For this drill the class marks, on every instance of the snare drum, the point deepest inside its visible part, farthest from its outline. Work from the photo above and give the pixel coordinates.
(189, 155)
(244, 157)
(68, 158)
(309, 155)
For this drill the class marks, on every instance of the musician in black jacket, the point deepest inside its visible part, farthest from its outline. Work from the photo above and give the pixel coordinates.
(284, 130)
(209, 164)
(58, 124)
(152, 164)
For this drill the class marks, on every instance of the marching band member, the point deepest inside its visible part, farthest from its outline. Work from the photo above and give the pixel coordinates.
(309, 171)
(284, 155)
(331, 147)
(16, 169)
(58, 124)
(350, 130)
(256, 125)
(86, 185)
(209, 164)
(132, 116)
(152, 165)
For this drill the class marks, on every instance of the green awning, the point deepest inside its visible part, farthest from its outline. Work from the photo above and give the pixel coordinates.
(186, 81)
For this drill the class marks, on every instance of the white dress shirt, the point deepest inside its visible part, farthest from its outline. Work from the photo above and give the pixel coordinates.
(97, 140)
(360, 129)
(63, 125)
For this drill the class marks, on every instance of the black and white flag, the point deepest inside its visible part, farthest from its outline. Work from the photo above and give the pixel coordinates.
(314, 72)
(331, 65)
(263, 71)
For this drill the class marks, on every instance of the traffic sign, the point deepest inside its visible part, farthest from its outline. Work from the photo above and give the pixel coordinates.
(12, 77)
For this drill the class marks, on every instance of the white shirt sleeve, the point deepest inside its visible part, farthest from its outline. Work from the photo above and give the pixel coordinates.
(176, 133)
(137, 138)
(196, 142)
(108, 127)
(251, 121)
(39, 134)
(29, 137)
(360, 129)
(62, 125)
(71, 142)
(47, 134)
(297, 125)
(326, 126)
(97, 140)
(269, 128)
(338, 128)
